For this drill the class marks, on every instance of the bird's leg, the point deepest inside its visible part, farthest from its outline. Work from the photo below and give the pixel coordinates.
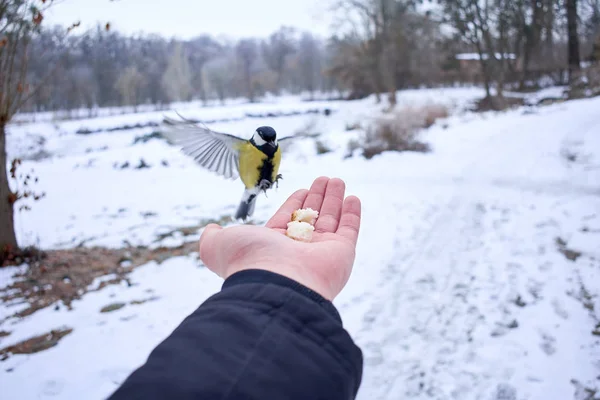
(279, 176)
(264, 185)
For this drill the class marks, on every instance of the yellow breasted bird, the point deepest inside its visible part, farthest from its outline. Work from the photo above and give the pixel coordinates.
(256, 161)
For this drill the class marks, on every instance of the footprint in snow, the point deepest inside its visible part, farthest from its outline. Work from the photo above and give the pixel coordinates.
(52, 387)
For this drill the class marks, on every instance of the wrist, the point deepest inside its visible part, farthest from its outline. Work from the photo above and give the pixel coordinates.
(296, 273)
(261, 276)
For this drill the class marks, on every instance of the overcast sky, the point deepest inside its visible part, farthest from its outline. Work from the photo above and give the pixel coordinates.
(188, 18)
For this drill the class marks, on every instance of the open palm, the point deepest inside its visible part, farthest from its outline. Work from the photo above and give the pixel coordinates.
(323, 265)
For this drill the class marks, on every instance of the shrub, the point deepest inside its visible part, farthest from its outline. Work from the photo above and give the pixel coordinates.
(321, 147)
(309, 129)
(433, 113)
(587, 83)
(496, 103)
(148, 137)
(353, 126)
(352, 146)
(400, 131)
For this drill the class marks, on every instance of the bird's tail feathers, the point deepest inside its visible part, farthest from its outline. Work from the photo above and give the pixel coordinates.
(246, 207)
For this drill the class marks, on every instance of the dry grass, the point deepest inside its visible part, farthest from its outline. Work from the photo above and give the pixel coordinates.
(400, 131)
(434, 112)
(321, 147)
(496, 103)
(35, 344)
(354, 126)
(588, 83)
(66, 275)
(593, 76)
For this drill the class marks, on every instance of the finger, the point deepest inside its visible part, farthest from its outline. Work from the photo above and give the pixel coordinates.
(206, 246)
(316, 194)
(350, 219)
(329, 216)
(284, 215)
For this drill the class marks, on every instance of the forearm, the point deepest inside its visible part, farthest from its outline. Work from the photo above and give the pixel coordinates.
(262, 336)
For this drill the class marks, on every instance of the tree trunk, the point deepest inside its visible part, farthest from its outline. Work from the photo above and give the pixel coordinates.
(201, 85)
(532, 39)
(548, 54)
(392, 99)
(574, 59)
(525, 65)
(377, 97)
(486, 78)
(484, 71)
(279, 79)
(8, 239)
(249, 88)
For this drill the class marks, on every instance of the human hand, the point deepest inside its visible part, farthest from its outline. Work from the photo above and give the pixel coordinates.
(323, 265)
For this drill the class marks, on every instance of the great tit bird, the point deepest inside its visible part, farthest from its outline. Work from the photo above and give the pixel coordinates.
(256, 161)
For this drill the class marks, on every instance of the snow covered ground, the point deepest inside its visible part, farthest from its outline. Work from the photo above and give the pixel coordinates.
(459, 291)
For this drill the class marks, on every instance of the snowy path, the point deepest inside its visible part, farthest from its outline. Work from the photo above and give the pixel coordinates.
(459, 290)
(457, 312)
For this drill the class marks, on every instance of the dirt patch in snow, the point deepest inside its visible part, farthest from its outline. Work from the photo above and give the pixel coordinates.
(66, 275)
(35, 344)
(117, 306)
(497, 103)
(570, 254)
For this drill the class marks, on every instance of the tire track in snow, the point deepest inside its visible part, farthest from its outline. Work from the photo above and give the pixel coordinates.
(439, 212)
(421, 316)
(418, 306)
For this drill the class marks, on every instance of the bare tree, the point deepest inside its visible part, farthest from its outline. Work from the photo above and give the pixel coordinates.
(484, 25)
(246, 51)
(177, 77)
(381, 27)
(574, 57)
(20, 21)
(85, 86)
(595, 56)
(200, 51)
(363, 27)
(219, 76)
(422, 51)
(78, 88)
(129, 86)
(280, 45)
(309, 62)
(349, 63)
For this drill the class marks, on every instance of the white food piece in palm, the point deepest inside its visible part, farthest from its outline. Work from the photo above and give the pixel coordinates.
(301, 227)
(301, 231)
(305, 215)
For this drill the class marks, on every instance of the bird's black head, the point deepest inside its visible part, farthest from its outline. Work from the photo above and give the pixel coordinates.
(267, 133)
(265, 139)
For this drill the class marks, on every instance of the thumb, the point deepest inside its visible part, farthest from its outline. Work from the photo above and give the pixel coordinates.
(207, 248)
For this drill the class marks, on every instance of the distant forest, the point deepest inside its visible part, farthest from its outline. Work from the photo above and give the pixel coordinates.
(380, 47)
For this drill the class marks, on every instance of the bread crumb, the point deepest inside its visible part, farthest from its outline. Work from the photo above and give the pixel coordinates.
(305, 215)
(301, 226)
(301, 231)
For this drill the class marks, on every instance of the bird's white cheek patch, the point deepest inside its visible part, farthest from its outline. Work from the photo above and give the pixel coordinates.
(258, 140)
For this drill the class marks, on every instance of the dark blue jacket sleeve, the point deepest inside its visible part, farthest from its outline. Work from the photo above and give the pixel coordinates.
(263, 336)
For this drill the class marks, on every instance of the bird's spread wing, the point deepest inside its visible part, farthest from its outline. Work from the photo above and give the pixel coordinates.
(218, 152)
